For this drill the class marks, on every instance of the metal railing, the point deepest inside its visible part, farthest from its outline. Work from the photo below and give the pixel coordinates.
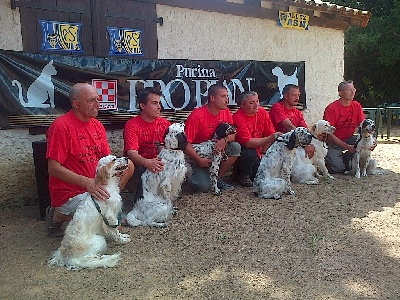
(383, 116)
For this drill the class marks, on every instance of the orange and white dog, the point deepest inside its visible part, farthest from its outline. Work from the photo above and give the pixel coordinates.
(84, 243)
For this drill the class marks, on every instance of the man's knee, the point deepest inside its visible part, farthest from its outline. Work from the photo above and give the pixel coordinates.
(233, 149)
(200, 178)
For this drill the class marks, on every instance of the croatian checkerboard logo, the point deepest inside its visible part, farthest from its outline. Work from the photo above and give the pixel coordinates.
(107, 90)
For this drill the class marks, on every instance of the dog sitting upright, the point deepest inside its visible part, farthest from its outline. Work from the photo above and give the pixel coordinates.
(306, 170)
(273, 174)
(362, 164)
(160, 189)
(84, 245)
(206, 149)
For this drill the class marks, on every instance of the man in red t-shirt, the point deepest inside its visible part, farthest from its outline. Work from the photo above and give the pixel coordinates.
(286, 117)
(200, 127)
(141, 135)
(75, 143)
(255, 133)
(346, 115)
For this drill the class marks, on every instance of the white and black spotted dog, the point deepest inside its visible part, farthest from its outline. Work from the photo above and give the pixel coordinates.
(307, 170)
(362, 163)
(207, 150)
(84, 243)
(273, 174)
(155, 208)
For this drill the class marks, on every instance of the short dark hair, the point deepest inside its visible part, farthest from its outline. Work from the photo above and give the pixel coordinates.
(143, 95)
(289, 86)
(245, 95)
(343, 84)
(213, 90)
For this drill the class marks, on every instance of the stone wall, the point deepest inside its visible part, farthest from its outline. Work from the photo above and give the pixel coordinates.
(10, 27)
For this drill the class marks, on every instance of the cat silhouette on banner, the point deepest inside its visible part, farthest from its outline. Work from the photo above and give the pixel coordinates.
(41, 92)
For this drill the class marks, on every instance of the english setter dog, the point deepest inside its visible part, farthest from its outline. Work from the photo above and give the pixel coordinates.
(362, 164)
(84, 243)
(160, 189)
(273, 174)
(206, 149)
(307, 170)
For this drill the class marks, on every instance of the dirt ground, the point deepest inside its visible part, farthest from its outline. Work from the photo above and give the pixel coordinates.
(339, 239)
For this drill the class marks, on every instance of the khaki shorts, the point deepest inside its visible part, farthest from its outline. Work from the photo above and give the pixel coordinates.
(71, 205)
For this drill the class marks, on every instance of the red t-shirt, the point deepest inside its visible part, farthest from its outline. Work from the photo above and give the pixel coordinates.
(201, 124)
(345, 118)
(78, 146)
(279, 113)
(257, 126)
(142, 136)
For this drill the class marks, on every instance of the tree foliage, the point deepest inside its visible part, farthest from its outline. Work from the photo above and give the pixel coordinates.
(372, 54)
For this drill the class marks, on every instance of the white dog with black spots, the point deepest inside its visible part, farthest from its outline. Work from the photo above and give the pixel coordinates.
(273, 175)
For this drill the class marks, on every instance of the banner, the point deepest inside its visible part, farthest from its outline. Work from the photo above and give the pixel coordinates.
(39, 84)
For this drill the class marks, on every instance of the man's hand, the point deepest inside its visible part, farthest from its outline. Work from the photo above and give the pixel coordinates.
(154, 165)
(310, 150)
(98, 190)
(220, 145)
(351, 148)
(203, 162)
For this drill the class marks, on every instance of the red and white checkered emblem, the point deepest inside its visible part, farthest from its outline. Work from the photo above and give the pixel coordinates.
(107, 90)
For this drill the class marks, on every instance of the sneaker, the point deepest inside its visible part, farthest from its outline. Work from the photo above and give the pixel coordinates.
(224, 186)
(54, 229)
(245, 181)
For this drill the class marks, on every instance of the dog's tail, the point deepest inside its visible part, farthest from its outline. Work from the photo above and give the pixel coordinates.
(85, 262)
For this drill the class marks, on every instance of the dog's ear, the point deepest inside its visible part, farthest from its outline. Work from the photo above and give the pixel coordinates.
(182, 141)
(102, 174)
(291, 143)
(314, 129)
(360, 128)
(220, 132)
(166, 133)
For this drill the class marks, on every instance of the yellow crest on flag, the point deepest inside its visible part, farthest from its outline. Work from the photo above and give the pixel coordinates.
(132, 42)
(293, 20)
(68, 36)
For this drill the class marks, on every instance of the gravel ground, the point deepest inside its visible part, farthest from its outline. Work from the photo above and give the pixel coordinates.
(339, 239)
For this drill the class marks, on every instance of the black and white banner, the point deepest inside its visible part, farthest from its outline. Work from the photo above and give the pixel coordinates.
(39, 84)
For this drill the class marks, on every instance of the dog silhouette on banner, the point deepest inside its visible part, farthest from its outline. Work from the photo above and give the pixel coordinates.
(41, 92)
(282, 81)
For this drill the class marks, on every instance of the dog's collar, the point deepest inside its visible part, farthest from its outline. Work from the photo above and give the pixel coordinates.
(159, 145)
(104, 218)
(323, 142)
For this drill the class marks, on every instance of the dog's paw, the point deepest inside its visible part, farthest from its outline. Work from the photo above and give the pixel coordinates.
(312, 182)
(217, 192)
(159, 225)
(276, 197)
(124, 238)
(357, 175)
(291, 192)
(329, 176)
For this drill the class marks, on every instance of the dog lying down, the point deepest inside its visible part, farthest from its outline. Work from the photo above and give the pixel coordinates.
(84, 243)
(307, 170)
(160, 189)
